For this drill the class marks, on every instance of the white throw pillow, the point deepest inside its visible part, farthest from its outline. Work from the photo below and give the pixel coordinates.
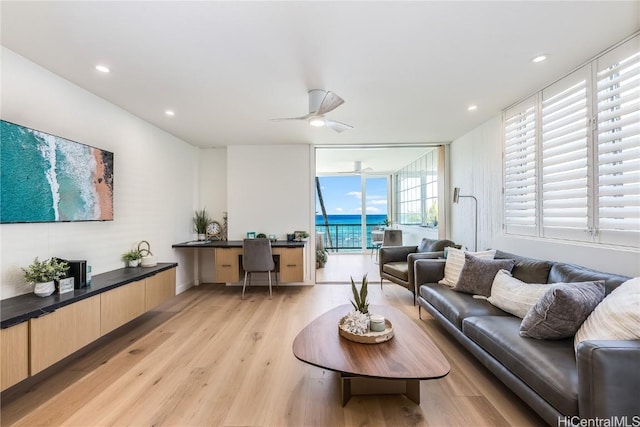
(455, 262)
(515, 296)
(617, 317)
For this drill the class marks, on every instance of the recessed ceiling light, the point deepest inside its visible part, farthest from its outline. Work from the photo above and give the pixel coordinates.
(539, 58)
(102, 68)
(472, 107)
(170, 113)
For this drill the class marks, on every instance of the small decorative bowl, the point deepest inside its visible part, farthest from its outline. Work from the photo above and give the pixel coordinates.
(369, 337)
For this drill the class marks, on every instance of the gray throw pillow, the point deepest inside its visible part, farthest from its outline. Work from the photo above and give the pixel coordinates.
(561, 311)
(425, 245)
(477, 274)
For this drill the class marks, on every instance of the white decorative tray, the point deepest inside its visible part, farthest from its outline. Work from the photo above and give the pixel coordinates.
(369, 337)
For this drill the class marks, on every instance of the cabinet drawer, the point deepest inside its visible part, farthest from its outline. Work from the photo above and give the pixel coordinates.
(160, 288)
(291, 264)
(15, 354)
(227, 264)
(56, 335)
(121, 305)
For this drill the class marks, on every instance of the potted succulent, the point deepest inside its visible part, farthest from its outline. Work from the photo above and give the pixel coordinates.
(321, 257)
(357, 321)
(200, 222)
(43, 274)
(132, 258)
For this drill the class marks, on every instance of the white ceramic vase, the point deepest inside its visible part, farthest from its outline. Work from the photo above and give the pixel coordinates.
(133, 263)
(44, 289)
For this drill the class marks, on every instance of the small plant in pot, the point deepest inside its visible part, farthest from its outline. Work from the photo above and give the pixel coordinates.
(200, 222)
(321, 257)
(357, 321)
(132, 258)
(43, 274)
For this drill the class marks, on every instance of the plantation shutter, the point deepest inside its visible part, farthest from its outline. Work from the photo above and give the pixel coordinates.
(618, 145)
(565, 173)
(520, 168)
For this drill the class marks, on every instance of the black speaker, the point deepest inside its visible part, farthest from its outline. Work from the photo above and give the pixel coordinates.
(77, 270)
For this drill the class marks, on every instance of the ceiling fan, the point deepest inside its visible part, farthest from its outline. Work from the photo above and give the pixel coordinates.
(357, 168)
(320, 103)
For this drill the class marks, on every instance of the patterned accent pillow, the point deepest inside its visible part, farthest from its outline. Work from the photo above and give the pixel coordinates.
(515, 296)
(617, 317)
(561, 311)
(455, 262)
(477, 274)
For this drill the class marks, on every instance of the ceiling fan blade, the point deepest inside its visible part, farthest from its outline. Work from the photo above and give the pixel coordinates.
(338, 126)
(330, 102)
(305, 117)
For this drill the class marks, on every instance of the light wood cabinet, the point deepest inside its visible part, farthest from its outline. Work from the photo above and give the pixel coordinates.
(160, 288)
(291, 264)
(56, 335)
(14, 354)
(119, 306)
(227, 264)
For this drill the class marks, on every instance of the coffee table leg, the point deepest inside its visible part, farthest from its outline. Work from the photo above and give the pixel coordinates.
(413, 391)
(346, 389)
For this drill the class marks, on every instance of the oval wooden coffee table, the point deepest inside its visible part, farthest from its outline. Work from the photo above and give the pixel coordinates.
(395, 366)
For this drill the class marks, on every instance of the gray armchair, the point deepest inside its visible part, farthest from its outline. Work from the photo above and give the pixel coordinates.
(396, 262)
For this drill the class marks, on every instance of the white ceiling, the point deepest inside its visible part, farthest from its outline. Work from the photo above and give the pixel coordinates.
(407, 70)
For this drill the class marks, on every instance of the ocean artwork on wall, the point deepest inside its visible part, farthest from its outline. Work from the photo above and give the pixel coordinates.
(45, 178)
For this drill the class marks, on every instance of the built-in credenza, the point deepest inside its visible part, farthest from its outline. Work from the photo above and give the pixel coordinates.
(38, 332)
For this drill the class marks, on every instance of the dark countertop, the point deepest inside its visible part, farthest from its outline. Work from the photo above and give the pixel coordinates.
(234, 244)
(24, 307)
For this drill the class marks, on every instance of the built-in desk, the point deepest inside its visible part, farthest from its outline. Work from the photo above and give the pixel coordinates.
(289, 257)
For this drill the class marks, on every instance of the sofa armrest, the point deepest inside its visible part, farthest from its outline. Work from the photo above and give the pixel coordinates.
(428, 271)
(608, 378)
(411, 260)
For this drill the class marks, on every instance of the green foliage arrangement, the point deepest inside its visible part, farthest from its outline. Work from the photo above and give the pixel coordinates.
(360, 298)
(132, 255)
(45, 271)
(200, 221)
(321, 257)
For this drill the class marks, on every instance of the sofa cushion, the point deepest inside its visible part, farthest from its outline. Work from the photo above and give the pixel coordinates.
(456, 306)
(432, 245)
(617, 317)
(515, 296)
(561, 311)
(547, 366)
(455, 262)
(561, 272)
(529, 270)
(397, 269)
(477, 274)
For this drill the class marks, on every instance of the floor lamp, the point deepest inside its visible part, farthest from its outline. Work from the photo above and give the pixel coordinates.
(456, 198)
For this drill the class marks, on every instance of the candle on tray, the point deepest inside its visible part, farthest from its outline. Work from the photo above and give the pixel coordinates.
(376, 323)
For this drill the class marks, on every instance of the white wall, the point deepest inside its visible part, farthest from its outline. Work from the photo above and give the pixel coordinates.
(269, 191)
(476, 167)
(155, 179)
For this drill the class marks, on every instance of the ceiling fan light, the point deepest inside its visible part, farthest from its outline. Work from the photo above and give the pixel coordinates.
(317, 121)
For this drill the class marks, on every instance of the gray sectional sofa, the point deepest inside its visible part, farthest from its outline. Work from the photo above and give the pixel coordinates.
(602, 380)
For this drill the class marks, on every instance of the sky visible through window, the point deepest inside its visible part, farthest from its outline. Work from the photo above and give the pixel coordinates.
(342, 195)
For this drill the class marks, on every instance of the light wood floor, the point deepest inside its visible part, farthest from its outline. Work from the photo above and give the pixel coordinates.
(340, 267)
(207, 358)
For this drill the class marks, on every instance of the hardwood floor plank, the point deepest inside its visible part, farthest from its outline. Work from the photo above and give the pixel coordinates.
(208, 358)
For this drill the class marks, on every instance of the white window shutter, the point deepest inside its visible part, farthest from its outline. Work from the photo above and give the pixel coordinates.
(520, 168)
(565, 166)
(618, 145)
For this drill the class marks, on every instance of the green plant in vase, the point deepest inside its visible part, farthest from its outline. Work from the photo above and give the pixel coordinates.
(132, 258)
(200, 222)
(42, 274)
(357, 321)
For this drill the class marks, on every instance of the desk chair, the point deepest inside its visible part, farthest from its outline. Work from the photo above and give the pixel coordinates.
(392, 238)
(257, 258)
(376, 240)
